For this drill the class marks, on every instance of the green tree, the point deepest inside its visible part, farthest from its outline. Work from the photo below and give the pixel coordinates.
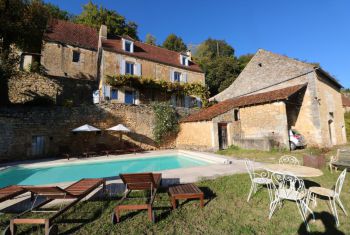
(220, 72)
(56, 13)
(243, 60)
(212, 48)
(117, 25)
(150, 39)
(174, 43)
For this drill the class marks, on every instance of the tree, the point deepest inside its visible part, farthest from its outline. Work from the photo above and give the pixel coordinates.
(22, 24)
(212, 48)
(150, 39)
(174, 43)
(220, 72)
(243, 60)
(95, 16)
(56, 13)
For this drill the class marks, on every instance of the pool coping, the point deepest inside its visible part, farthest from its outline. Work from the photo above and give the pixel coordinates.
(208, 157)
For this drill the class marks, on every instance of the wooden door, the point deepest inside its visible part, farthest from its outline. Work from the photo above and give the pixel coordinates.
(222, 131)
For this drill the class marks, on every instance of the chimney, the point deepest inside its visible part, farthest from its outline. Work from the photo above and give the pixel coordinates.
(103, 32)
(189, 54)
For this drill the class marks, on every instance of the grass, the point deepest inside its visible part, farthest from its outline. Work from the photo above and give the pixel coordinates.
(347, 124)
(226, 211)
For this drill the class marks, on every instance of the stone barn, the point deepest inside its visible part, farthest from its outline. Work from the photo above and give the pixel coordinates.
(320, 118)
(257, 121)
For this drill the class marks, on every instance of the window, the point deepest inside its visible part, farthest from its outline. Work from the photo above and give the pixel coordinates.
(129, 68)
(184, 60)
(236, 114)
(114, 94)
(128, 45)
(76, 56)
(38, 145)
(177, 76)
(129, 97)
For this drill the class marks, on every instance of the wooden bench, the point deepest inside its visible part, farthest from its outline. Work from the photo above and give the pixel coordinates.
(185, 191)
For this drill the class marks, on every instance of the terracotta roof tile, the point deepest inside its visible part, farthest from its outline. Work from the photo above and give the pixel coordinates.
(227, 105)
(346, 101)
(73, 34)
(150, 52)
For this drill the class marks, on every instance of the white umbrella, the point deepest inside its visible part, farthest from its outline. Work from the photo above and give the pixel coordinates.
(119, 127)
(86, 128)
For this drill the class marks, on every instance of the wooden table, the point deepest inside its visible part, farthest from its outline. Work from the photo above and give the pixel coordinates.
(299, 171)
(185, 191)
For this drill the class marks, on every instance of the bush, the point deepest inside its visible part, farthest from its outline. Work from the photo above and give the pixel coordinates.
(166, 121)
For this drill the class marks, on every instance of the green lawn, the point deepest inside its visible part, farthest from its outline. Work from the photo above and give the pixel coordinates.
(226, 212)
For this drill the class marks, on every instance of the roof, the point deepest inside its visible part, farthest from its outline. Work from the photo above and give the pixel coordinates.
(345, 100)
(227, 105)
(150, 52)
(267, 69)
(73, 34)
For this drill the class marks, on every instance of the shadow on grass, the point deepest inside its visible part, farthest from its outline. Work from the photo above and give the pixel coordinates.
(328, 221)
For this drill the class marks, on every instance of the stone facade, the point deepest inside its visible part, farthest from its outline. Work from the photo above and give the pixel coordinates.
(57, 60)
(111, 63)
(21, 126)
(31, 88)
(320, 118)
(259, 127)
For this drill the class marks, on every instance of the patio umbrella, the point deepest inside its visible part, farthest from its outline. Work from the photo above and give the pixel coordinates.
(86, 128)
(119, 128)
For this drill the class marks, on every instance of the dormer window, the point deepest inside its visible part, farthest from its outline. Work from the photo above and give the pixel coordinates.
(184, 60)
(128, 45)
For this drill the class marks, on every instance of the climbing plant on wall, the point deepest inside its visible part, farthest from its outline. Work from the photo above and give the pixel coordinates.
(166, 121)
(189, 89)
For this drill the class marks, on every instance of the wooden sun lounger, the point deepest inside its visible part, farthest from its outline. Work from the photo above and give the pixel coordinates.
(11, 192)
(76, 191)
(139, 181)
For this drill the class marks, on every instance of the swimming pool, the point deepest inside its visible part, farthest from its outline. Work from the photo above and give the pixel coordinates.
(69, 172)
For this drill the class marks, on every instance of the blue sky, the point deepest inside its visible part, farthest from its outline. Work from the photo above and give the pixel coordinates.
(312, 30)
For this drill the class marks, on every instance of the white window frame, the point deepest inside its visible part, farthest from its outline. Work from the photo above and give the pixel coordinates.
(180, 76)
(133, 69)
(182, 57)
(124, 41)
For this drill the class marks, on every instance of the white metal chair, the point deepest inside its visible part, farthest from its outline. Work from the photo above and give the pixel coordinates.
(333, 195)
(290, 188)
(258, 180)
(289, 160)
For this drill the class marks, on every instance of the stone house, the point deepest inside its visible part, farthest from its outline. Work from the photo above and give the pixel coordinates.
(314, 108)
(125, 56)
(70, 50)
(77, 51)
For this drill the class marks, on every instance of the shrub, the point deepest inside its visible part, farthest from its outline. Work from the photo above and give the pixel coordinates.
(166, 121)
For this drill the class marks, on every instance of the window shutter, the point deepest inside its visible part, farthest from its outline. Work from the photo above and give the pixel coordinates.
(172, 75)
(122, 67)
(123, 44)
(107, 91)
(184, 79)
(132, 47)
(138, 69)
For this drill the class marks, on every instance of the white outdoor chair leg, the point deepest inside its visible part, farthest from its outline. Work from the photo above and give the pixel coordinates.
(301, 211)
(341, 205)
(250, 192)
(333, 209)
(273, 206)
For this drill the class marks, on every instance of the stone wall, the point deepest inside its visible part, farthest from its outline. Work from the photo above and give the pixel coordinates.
(19, 127)
(195, 136)
(56, 58)
(33, 88)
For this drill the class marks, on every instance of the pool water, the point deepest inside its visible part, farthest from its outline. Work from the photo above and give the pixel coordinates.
(76, 171)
